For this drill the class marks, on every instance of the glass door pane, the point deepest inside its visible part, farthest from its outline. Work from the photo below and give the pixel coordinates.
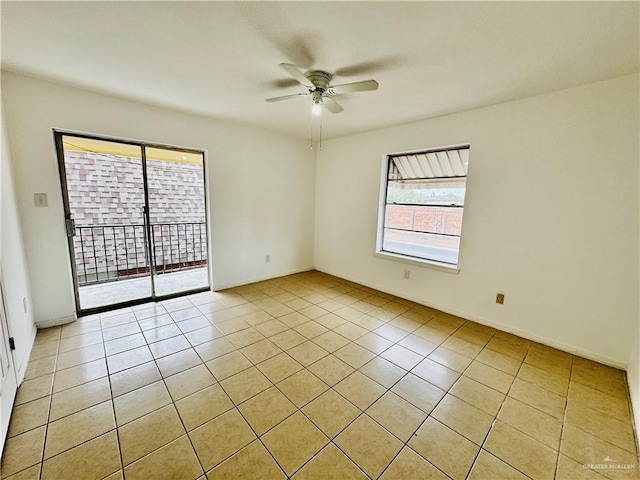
(105, 198)
(175, 181)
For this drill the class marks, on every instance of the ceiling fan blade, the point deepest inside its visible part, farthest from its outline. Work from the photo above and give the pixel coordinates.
(332, 105)
(353, 87)
(286, 97)
(296, 74)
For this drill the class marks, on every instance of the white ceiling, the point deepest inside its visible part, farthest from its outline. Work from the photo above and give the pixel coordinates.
(220, 59)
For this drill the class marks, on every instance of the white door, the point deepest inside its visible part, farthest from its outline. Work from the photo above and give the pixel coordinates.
(8, 382)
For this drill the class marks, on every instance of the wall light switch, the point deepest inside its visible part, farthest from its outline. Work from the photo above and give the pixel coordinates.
(40, 199)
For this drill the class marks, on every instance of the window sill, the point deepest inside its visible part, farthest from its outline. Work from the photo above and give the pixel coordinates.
(443, 267)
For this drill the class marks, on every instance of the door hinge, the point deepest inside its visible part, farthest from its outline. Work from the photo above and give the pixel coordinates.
(71, 227)
(12, 343)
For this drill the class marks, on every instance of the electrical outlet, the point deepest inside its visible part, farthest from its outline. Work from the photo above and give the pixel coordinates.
(40, 199)
(267, 258)
(500, 298)
(407, 274)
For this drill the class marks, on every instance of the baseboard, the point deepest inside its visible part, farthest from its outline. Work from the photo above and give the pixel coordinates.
(223, 286)
(54, 322)
(22, 369)
(489, 323)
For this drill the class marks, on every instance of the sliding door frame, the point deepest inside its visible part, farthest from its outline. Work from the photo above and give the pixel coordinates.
(58, 139)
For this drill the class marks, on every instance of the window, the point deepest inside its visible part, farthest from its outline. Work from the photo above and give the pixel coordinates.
(423, 204)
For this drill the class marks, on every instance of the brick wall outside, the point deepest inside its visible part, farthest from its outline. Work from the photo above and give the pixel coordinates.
(107, 190)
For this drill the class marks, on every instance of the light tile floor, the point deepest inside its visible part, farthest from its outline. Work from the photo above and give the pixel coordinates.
(310, 377)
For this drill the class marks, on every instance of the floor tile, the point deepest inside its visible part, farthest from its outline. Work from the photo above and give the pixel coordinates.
(418, 345)
(450, 359)
(369, 445)
(489, 376)
(139, 402)
(383, 371)
(403, 357)
(418, 392)
(374, 342)
(134, 378)
(307, 353)
(78, 375)
(302, 387)
(279, 367)
(245, 337)
(464, 418)
(189, 381)
(489, 466)
(354, 355)
(436, 373)
(96, 459)
(178, 362)
(330, 341)
(408, 464)
(569, 468)
(245, 384)
(128, 359)
(28, 416)
(80, 356)
(549, 381)
(211, 447)
(213, 377)
(544, 428)
(214, 349)
(359, 390)
(78, 398)
(161, 333)
(331, 413)
(175, 460)
(330, 464)
(447, 450)
(498, 360)
(79, 427)
(486, 399)
(261, 351)
(22, 451)
(538, 397)
(169, 346)
(228, 365)
(588, 449)
(32, 473)
(294, 441)
(34, 389)
(266, 410)
(203, 335)
(396, 415)
(521, 451)
(203, 406)
(271, 327)
(608, 428)
(148, 433)
(252, 462)
(287, 340)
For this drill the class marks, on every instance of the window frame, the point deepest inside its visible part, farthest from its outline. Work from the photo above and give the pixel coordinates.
(382, 207)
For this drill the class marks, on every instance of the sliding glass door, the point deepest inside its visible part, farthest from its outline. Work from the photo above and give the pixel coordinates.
(135, 217)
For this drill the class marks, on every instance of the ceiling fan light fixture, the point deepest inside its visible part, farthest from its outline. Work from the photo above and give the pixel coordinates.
(316, 109)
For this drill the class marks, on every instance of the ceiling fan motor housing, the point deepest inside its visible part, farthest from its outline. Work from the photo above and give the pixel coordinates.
(319, 79)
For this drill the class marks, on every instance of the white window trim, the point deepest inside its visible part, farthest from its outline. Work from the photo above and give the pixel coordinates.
(419, 262)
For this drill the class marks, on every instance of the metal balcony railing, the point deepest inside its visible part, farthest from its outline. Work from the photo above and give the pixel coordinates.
(105, 253)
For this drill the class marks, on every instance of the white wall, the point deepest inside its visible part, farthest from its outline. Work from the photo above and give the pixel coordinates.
(260, 195)
(551, 216)
(13, 264)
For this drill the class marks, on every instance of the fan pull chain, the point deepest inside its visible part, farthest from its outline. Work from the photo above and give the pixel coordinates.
(320, 141)
(311, 136)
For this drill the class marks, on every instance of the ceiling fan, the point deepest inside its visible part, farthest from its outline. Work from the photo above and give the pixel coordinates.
(317, 82)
